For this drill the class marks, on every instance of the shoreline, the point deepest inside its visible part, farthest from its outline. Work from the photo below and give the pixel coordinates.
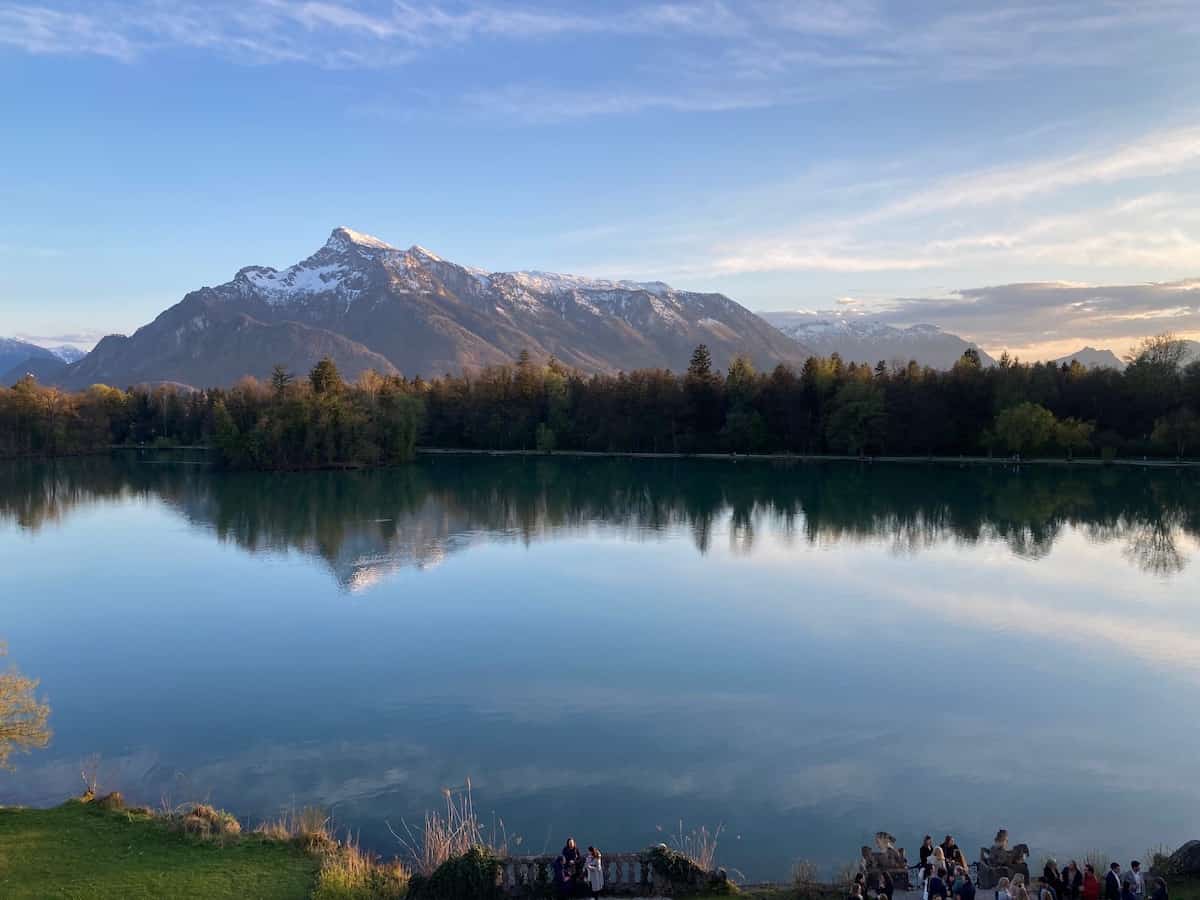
(1090, 461)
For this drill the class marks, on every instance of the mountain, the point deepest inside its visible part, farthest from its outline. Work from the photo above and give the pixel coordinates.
(371, 305)
(67, 353)
(861, 339)
(20, 358)
(1093, 359)
(196, 344)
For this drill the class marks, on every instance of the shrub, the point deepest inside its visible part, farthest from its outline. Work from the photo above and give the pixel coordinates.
(679, 874)
(475, 875)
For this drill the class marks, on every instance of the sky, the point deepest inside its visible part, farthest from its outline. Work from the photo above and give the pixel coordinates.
(1025, 174)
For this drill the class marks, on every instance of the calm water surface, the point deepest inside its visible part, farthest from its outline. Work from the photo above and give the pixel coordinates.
(804, 653)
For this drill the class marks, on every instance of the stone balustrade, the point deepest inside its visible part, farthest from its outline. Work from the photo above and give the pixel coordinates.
(624, 875)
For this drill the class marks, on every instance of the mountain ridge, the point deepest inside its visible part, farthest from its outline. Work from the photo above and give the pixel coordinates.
(364, 300)
(864, 339)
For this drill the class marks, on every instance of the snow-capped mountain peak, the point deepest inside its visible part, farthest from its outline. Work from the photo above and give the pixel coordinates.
(343, 238)
(863, 338)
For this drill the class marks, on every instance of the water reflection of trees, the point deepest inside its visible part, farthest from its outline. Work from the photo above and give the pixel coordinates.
(415, 514)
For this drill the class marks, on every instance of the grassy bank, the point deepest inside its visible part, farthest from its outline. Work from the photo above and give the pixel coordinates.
(79, 850)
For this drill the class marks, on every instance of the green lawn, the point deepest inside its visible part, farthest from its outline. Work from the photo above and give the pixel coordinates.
(78, 851)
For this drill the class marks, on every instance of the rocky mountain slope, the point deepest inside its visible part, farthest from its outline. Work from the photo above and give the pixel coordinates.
(371, 305)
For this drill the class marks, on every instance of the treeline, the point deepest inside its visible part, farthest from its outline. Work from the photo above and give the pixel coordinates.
(289, 423)
(830, 406)
(1152, 407)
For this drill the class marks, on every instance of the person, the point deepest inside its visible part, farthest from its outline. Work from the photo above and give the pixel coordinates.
(957, 859)
(1134, 879)
(937, 860)
(860, 881)
(1072, 881)
(884, 887)
(1046, 890)
(1091, 884)
(570, 855)
(1160, 890)
(1112, 882)
(1002, 889)
(595, 872)
(926, 850)
(1018, 889)
(948, 846)
(561, 883)
(1051, 877)
(964, 889)
(1127, 889)
(937, 884)
(856, 892)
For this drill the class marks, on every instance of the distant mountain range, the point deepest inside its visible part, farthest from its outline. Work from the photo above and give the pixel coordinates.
(19, 358)
(1093, 359)
(862, 339)
(369, 305)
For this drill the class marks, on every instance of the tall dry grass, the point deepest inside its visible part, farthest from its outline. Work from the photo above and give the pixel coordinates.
(699, 845)
(450, 832)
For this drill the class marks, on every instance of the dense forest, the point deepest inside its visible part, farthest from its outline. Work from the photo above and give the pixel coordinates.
(1151, 408)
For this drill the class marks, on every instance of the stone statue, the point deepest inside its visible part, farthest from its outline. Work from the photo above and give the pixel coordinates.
(1001, 861)
(886, 858)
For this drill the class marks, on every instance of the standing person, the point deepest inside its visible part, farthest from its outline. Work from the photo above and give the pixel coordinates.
(948, 846)
(1134, 878)
(926, 849)
(1127, 892)
(884, 887)
(1002, 889)
(1091, 884)
(1160, 890)
(595, 872)
(1051, 877)
(1112, 882)
(856, 891)
(1072, 881)
(1018, 889)
(570, 855)
(560, 876)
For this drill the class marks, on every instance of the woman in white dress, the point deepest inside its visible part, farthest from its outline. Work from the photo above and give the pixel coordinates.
(594, 867)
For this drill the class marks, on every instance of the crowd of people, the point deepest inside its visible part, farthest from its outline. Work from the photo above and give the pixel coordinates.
(944, 874)
(576, 874)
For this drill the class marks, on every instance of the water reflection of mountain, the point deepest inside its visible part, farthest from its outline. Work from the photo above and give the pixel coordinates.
(367, 524)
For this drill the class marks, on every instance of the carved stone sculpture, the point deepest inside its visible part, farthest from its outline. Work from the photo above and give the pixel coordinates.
(1001, 861)
(886, 857)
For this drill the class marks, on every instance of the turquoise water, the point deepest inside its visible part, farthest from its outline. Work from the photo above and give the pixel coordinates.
(804, 653)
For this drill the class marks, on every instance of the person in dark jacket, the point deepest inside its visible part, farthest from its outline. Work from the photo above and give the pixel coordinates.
(1160, 890)
(562, 885)
(1112, 882)
(965, 889)
(1051, 877)
(937, 885)
(884, 887)
(1072, 881)
(926, 849)
(572, 866)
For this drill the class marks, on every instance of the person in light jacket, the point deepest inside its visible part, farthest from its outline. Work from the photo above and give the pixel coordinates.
(595, 871)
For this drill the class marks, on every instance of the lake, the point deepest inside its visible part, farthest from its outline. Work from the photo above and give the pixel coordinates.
(806, 653)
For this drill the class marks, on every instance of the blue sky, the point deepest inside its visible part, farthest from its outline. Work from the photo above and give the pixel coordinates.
(889, 158)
